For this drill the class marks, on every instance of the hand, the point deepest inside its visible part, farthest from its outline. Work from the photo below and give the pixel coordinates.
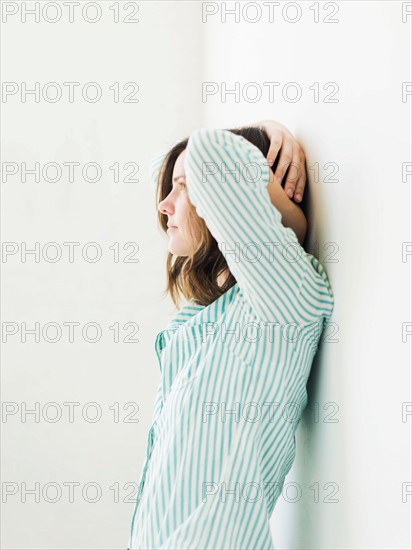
(291, 153)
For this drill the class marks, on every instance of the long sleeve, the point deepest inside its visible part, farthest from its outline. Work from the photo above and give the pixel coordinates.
(227, 178)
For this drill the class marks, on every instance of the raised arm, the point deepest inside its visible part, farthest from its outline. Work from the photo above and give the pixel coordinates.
(227, 181)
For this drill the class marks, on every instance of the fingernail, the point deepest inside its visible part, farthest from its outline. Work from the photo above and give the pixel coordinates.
(289, 193)
(270, 162)
(298, 197)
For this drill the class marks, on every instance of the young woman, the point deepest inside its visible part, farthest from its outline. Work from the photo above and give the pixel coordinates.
(235, 359)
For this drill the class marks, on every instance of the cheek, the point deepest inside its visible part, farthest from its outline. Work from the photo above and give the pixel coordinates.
(187, 218)
(182, 207)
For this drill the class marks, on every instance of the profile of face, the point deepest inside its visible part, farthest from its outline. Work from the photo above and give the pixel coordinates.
(182, 233)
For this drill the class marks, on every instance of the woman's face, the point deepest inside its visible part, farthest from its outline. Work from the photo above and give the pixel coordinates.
(176, 207)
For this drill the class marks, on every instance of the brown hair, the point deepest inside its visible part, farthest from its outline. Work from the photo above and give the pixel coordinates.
(195, 276)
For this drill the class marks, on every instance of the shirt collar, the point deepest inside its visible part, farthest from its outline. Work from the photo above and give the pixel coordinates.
(188, 313)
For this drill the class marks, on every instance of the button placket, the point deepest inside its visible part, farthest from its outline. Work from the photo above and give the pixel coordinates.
(162, 338)
(159, 346)
(149, 450)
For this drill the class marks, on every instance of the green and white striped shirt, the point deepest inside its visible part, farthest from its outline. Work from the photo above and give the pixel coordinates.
(233, 374)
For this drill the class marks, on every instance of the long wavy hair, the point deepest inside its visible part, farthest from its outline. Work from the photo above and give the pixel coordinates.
(195, 276)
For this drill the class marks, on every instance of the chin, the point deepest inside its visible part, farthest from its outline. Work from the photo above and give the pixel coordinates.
(177, 250)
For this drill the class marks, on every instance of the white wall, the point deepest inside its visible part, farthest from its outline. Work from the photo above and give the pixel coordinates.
(365, 215)
(154, 54)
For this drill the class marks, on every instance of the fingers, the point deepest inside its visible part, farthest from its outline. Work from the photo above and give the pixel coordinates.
(301, 183)
(286, 156)
(296, 180)
(275, 146)
(292, 158)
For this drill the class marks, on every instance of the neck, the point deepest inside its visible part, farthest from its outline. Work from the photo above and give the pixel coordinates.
(222, 277)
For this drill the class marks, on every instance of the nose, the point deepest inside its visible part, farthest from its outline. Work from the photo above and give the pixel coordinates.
(165, 206)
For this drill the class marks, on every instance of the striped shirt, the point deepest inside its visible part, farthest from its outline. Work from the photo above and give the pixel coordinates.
(233, 374)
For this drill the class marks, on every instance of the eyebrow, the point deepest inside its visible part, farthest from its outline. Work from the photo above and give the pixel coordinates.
(179, 177)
